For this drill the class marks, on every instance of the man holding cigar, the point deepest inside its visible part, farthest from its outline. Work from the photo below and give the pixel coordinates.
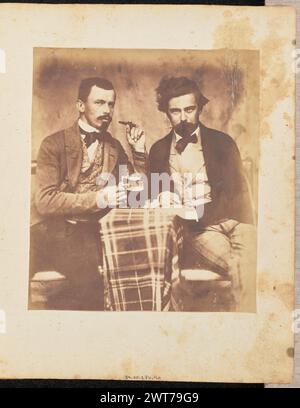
(73, 191)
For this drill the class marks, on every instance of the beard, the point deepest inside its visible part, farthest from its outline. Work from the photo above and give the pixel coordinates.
(185, 129)
(104, 125)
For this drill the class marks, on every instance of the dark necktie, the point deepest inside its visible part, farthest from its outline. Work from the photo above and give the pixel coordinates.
(90, 137)
(184, 141)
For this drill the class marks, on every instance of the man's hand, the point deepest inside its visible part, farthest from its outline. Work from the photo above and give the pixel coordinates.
(111, 196)
(136, 138)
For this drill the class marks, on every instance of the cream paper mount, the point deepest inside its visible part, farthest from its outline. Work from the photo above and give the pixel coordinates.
(230, 347)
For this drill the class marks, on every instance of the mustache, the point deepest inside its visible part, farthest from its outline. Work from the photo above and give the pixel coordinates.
(185, 128)
(106, 117)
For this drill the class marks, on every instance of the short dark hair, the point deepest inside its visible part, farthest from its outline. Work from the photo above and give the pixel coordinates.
(177, 86)
(87, 84)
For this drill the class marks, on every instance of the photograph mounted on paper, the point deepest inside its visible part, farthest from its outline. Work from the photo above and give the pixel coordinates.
(144, 180)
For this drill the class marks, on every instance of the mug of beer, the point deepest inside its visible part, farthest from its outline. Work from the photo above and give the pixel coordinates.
(133, 184)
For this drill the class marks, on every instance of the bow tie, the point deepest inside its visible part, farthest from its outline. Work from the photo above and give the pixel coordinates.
(90, 137)
(184, 141)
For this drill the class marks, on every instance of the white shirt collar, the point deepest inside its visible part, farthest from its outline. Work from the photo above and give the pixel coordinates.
(85, 126)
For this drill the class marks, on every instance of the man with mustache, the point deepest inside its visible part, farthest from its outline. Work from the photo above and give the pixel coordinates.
(73, 190)
(207, 174)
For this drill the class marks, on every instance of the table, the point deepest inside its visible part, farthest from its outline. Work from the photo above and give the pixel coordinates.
(141, 250)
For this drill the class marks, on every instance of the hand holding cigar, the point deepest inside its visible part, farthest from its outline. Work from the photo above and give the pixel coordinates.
(135, 135)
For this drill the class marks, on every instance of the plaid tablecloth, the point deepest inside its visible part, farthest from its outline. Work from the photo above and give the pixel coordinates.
(140, 248)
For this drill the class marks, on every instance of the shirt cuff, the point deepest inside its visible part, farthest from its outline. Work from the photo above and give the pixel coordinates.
(139, 152)
(101, 199)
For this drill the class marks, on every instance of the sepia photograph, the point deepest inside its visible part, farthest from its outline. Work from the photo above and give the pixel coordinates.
(144, 180)
(148, 164)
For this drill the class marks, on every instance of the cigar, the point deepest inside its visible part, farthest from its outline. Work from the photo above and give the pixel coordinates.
(130, 124)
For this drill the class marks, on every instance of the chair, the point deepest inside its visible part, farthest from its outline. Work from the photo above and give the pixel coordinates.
(44, 286)
(205, 291)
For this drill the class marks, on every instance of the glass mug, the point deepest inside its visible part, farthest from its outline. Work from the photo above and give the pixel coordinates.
(132, 184)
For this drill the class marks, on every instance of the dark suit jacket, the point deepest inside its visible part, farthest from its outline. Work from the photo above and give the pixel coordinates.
(58, 168)
(229, 190)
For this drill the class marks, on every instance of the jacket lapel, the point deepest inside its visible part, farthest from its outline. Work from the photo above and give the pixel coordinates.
(207, 153)
(73, 153)
(211, 159)
(111, 154)
(162, 161)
